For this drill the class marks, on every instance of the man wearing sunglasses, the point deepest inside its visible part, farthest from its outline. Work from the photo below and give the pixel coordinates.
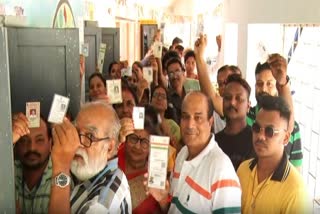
(266, 84)
(86, 149)
(270, 183)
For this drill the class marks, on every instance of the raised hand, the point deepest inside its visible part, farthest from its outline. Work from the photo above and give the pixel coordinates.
(126, 128)
(65, 144)
(19, 126)
(200, 45)
(278, 65)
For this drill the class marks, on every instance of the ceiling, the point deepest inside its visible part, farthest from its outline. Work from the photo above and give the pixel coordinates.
(181, 7)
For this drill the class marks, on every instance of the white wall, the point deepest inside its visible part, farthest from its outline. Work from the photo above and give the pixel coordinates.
(272, 11)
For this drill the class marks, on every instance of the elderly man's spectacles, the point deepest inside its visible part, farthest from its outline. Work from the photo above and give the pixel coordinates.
(87, 139)
(134, 139)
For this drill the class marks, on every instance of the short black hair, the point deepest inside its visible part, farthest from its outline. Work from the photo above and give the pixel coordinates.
(238, 79)
(170, 54)
(176, 40)
(223, 68)
(232, 68)
(189, 54)
(276, 103)
(151, 121)
(235, 69)
(174, 60)
(100, 76)
(261, 67)
(138, 63)
(125, 87)
(179, 48)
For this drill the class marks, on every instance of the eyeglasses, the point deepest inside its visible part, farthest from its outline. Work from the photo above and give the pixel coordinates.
(173, 74)
(160, 96)
(268, 130)
(88, 139)
(134, 139)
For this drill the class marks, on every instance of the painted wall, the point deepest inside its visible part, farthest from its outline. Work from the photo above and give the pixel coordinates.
(42, 13)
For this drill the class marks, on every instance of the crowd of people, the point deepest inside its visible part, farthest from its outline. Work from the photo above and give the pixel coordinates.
(224, 156)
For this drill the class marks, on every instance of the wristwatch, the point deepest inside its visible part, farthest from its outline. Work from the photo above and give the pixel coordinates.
(62, 180)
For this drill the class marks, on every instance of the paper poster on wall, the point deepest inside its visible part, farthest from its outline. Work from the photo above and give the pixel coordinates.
(102, 52)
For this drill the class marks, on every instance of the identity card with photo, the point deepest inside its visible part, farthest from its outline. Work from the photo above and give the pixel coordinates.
(148, 74)
(58, 109)
(114, 91)
(157, 49)
(158, 161)
(138, 117)
(33, 114)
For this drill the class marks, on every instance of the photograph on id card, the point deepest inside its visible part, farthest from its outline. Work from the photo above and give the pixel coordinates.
(33, 114)
(157, 50)
(148, 74)
(58, 109)
(114, 91)
(158, 161)
(138, 117)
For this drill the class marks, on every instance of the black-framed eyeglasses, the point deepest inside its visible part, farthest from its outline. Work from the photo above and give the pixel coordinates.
(87, 139)
(269, 131)
(134, 139)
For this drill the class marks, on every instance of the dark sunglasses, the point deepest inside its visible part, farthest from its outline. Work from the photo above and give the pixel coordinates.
(269, 131)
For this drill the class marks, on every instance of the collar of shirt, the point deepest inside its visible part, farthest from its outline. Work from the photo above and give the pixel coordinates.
(197, 160)
(281, 172)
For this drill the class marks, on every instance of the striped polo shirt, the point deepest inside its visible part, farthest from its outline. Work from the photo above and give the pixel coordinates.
(283, 192)
(205, 184)
(37, 199)
(107, 192)
(293, 148)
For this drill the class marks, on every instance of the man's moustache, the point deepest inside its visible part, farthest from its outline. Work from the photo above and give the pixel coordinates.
(32, 153)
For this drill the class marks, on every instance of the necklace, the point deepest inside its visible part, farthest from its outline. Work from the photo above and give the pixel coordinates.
(253, 205)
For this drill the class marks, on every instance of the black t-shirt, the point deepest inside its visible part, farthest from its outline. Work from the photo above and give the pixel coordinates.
(238, 147)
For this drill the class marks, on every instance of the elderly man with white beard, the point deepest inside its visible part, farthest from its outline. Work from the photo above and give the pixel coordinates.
(86, 149)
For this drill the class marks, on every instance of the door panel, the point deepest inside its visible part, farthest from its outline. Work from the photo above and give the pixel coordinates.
(44, 62)
(92, 36)
(110, 36)
(7, 194)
